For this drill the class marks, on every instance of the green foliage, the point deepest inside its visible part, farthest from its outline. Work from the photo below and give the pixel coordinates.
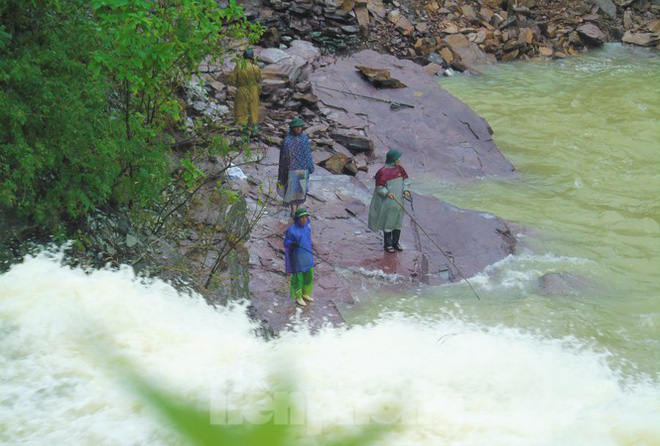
(87, 90)
(62, 153)
(192, 174)
(149, 48)
(195, 427)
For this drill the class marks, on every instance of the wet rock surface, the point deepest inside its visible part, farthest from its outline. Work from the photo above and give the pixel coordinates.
(350, 258)
(440, 136)
(353, 118)
(565, 284)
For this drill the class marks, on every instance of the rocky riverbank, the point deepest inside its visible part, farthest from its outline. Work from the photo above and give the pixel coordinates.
(357, 103)
(318, 62)
(460, 35)
(350, 133)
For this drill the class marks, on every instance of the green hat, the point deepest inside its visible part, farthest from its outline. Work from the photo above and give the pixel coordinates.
(392, 156)
(300, 213)
(296, 122)
(248, 54)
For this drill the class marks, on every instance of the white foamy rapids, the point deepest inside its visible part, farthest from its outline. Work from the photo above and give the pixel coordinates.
(380, 275)
(522, 270)
(444, 382)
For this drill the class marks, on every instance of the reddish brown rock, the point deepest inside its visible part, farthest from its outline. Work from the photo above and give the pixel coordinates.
(376, 8)
(441, 135)
(405, 26)
(592, 34)
(380, 77)
(641, 39)
(339, 164)
(653, 26)
(433, 68)
(348, 255)
(468, 52)
(354, 140)
(362, 16)
(545, 51)
(447, 55)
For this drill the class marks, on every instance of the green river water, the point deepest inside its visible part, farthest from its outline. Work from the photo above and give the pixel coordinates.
(584, 136)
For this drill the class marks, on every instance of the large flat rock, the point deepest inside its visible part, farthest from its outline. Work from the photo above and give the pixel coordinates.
(351, 258)
(440, 135)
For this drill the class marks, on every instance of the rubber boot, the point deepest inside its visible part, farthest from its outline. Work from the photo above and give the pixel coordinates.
(388, 241)
(396, 234)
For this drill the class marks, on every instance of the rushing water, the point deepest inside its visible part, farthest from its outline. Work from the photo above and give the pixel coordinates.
(439, 368)
(584, 135)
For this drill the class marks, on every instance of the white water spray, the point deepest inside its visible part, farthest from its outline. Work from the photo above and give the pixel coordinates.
(436, 382)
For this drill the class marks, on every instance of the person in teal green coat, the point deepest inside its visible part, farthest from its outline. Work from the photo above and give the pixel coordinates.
(386, 209)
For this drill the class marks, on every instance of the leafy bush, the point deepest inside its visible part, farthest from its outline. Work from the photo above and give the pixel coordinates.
(87, 90)
(59, 151)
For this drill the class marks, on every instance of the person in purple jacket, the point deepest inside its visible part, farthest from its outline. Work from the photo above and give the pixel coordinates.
(296, 165)
(299, 257)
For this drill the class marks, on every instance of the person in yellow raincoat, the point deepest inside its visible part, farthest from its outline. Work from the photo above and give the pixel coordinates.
(246, 77)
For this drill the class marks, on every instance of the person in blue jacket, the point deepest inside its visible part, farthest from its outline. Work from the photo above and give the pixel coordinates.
(299, 257)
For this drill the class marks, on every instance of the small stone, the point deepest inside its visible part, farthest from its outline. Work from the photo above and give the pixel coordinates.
(592, 34)
(641, 39)
(653, 26)
(422, 27)
(486, 13)
(394, 16)
(131, 240)
(377, 8)
(607, 6)
(627, 20)
(545, 51)
(436, 58)
(199, 106)
(432, 6)
(508, 57)
(433, 68)
(447, 55)
(468, 11)
(405, 26)
(273, 55)
(338, 163)
(450, 28)
(526, 36)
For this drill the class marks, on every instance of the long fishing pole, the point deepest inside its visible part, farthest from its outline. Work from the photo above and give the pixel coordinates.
(436, 245)
(316, 253)
(393, 104)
